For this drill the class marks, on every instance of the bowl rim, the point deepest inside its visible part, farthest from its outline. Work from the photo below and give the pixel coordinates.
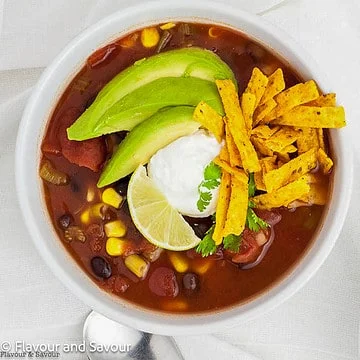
(140, 318)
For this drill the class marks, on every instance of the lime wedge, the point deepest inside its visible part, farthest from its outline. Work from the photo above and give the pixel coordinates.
(155, 218)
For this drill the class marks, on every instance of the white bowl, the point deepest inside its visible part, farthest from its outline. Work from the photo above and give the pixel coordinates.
(44, 98)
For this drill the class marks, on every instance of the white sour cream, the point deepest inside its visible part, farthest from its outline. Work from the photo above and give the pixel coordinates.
(178, 169)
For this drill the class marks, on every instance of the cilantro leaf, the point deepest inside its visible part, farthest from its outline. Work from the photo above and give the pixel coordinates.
(212, 174)
(252, 186)
(212, 171)
(232, 242)
(207, 245)
(253, 222)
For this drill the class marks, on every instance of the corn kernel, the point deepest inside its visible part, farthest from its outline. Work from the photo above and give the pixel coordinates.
(115, 228)
(150, 37)
(85, 217)
(96, 211)
(178, 261)
(203, 266)
(167, 26)
(175, 305)
(137, 265)
(116, 246)
(111, 197)
(90, 195)
(129, 41)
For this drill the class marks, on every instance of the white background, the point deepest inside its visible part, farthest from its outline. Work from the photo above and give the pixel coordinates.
(320, 322)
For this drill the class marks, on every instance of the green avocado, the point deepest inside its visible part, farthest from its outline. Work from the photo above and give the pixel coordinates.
(146, 139)
(144, 102)
(187, 62)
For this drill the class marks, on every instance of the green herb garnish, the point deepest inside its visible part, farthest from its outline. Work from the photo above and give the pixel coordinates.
(252, 186)
(212, 174)
(232, 242)
(207, 245)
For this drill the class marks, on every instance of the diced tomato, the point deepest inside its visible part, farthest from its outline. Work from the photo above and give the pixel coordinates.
(100, 55)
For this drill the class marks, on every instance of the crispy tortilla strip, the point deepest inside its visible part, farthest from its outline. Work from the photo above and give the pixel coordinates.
(261, 147)
(281, 139)
(234, 155)
(328, 100)
(224, 154)
(233, 171)
(291, 171)
(257, 85)
(284, 158)
(316, 196)
(316, 117)
(264, 131)
(210, 119)
(236, 125)
(248, 106)
(275, 85)
(283, 196)
(267, 164)
(263, 110)
(296, 95)
(308, 138)
(237, 210)
(325, 162)
(259, 181)
(222, 207)
(289, 149)
(320, 134)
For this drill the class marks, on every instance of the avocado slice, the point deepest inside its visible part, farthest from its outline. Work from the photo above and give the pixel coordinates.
(187, 62)
(146, 139)
(144, 102)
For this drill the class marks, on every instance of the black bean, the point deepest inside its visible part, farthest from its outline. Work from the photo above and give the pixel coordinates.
(191, 281)
(122, 185)
(65, 221)
(199, 225)
(101, 267)
(75, 187)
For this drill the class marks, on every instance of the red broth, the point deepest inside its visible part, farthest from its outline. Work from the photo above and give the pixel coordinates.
(208, 283)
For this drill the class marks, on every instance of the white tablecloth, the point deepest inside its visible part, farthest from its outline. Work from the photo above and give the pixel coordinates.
(320, 322)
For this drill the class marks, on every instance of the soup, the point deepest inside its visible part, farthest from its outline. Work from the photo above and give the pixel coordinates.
(152, 257)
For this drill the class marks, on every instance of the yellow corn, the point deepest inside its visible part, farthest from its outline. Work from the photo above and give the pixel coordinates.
(202, 266)
(137, 265)
(175, 305)
(92, 212)
(150, 37)
(116, 246)
(115, 228)
(178, 261)
(167, 26)
(111, 197)
(90, 195)
(85, 217)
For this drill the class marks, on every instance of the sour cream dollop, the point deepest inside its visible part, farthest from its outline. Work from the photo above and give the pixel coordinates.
(178, 169)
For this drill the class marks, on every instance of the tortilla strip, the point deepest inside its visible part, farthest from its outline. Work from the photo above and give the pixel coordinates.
(209, 119)
(261, 147)
(263, 110)
(236, 125)
(296, 95)
(275, 85)
(282, 196)
(291, 171)
(248, 106)
(281, 139)
(311, 116)
(257, 85)
(264, 131)
(233, 171)
(222, 207)
(237, 210)
(259, 181)
(316, 196)
(234, 155)
(308, 138)
(224, 154)
(320, 135)
(267, 164)
(325, 162)
(328, 100)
